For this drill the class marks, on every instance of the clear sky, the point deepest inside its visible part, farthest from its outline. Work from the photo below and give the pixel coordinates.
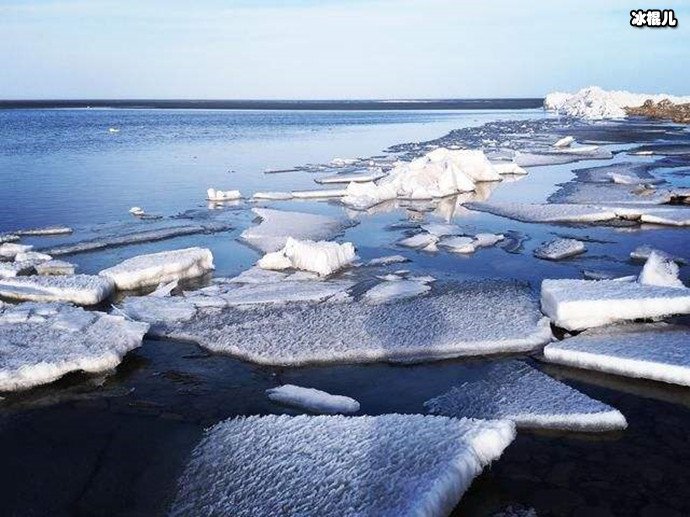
(336, 49)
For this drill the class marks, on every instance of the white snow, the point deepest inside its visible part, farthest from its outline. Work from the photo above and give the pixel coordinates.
(389, 259)
(359, 177)
(313, 400)
(223, 195)
(660, 271)
(386, 465)
(559, 249)
(390, 290)
(459, 244)
(566, 141)
(323, 257)
(78, 289)
(580, 304)
(279, 196)
(277, 225)
(55, 267)
(10, 249)
(8, 237)
(655, 351)
(163, 267)
(515, 391)
(545, 213)
(596, 103)
(39, 343)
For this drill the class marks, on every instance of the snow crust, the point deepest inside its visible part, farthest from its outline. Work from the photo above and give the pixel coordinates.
(78, 289)
(660, 271)
(559, 249)
(163, 267)
(313, 400)
(386, 465)
(515, 391)
(323, 257)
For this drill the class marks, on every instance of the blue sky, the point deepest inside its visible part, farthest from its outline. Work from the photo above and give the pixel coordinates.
(308, 49)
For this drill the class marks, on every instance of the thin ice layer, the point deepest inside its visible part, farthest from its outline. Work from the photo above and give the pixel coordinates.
(455, 319)
(157, 268)
(515, 391)
(580, 304)
(276, 226)
(545, 213)
(655, 351)
(386, 465)
(313, 400)
(78, 289)
(39, 343)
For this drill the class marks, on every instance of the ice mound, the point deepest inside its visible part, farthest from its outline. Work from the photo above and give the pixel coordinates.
(55, 267)
(513, 390)
(566, 141)
(455, 319)
(595, 103)
(558, 249)
(39, 343)
(163, 267)
(78, 289)
(545, 213)
(660, 271)
(472, 163)
(313, 400)
(277, 225)
(387, 260)
(391, 290)
(337, 465)
(318, 194)
(9, 249)
(223, 195)
(324, 257)
(655, 351)
(359, 177)
(580, 304)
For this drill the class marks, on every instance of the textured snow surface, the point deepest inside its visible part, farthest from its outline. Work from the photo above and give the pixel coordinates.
(79, 289)
(545, 213)
(596, 103)
(387, 465)
(660, 271)
(655, 351)
(395, 290)
(323, 258)
(515, 391)
(580, 304)
(276, 226)
(454, 319)
(313, 400)
(55, 267)
(163, 267)
(41, 342)
(558, 249)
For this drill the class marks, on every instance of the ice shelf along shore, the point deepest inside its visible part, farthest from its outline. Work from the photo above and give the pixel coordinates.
(515, 391)
(455, 319)
(78, 289)
(391, 465)
(313, 400)
(655, 351)
(41, 342)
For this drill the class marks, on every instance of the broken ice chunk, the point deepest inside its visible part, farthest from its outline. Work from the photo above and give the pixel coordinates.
(660, 271)
(338, 465)
(223, 195)
(8, 238)
(284, 292)
(389, 259)
(421, 240)
(559, 249)
(324, 257)
(48, 230)
(484, 240)
(515, 391)
(10, 250)
(316, 194)
(313, 400)
(278, 196)
(32, 256)
(566, 141)
(55, 267)
(153, 309)
(459, 244)
(78, 289)
(256, 275)
(508, 168)
(441, 230)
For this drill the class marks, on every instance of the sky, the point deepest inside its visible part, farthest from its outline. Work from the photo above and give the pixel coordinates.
(334, 49)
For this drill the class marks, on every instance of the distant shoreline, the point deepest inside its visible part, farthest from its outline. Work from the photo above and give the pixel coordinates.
(315, 105)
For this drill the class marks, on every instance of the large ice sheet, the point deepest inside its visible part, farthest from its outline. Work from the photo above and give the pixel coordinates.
(323, 257)
(455, 319)
(515, 391)
(157, 268)
(655, 351)
(545, 213)
(313, 400)
(276, 226)
(79, 289)
(387, 465)
(39, 342)
(580, 304)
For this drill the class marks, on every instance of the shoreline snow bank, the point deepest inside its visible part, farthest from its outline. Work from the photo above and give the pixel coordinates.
(313, 400)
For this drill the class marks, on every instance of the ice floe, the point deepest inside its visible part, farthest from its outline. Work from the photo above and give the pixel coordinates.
(55, 267)
(276, 226)
(8, 237)
(485, 240)
(313, 400)
(338, 465)
(420, 240)
(78, 289)
(387, 260)
(318, 194)
(580, 304)
(577, 192)
(39, 343)
(558, 249)
(223, 195)
(153, 309)
(156, 268)
(545, 213)
(459, 244)
(515, 391)
(396, 289)
(278, 196)
(660, 271)
(47, 230)
(566, 141)
(655, 351)
(323, 257)
(10, 249)
(358, 177)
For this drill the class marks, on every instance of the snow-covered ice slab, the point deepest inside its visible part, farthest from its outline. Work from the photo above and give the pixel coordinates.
(276, 226)
(55, 267)
(559, 249)
(358, 177)
(454, 319)
(39, 343)
(666, 216)
(580, 304)
(284, 292)
(223, 195)
(545, 213)
(318, 194)
(515, 391)
(78, 289)
(386, 465)
(387, 260)
(157, 268)
(395, 290)
(47, 230)
(655, 351)
(277, 196)
(9, 250)
(13, 269)
(323, 258)
(313, 400)
(580, 193)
